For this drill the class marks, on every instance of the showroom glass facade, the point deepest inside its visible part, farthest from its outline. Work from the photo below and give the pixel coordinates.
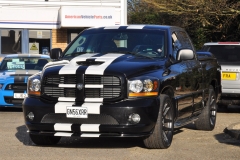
(37, 26)
(35, 41)
(10, 41)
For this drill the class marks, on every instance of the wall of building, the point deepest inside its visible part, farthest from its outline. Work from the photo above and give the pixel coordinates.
(59, 38)
(56, 18)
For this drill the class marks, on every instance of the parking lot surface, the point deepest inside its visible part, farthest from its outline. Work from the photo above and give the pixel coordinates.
(188, 143)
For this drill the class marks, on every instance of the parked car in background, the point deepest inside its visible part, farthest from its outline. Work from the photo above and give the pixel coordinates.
(228, 56)
(14, 72)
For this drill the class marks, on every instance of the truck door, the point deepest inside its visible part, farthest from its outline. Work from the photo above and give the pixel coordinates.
(188, 92)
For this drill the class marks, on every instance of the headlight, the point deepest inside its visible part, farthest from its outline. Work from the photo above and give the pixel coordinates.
(34, 85)
(136, 86)
(1, 85)
(143, 86)
(148, 85)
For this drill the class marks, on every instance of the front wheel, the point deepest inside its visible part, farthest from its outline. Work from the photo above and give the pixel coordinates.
(161, 138)
(207, 119)
(44, 140)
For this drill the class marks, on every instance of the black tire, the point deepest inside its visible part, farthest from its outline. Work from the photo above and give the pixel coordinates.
(44, 140)
(207, 119)
(161, 138)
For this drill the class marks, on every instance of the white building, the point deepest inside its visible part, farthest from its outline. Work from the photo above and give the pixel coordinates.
(36, 26)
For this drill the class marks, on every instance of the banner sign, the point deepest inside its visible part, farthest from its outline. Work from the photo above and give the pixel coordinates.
(29, 18)
(87, 17)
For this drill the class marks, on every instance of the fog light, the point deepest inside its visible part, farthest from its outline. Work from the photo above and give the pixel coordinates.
(134, 118)
(30, 116)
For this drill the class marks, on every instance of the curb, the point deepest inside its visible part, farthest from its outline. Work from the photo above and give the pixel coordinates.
(233, 130)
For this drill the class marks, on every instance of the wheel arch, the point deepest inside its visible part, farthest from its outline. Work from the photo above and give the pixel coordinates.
(168, 90)
(215, 86)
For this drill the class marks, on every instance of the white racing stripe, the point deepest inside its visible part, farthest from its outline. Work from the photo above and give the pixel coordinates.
(72, 67)
(89, 127)
(62, 127)
(58, 63)
(112, 27)
(63, 134)
(99, 69)
(20, 72)
(90, 135)
(135, 27)
(93, 86)
(93, 100)
(32, 72)
(67, 85)
(61, 107)
(67, 99)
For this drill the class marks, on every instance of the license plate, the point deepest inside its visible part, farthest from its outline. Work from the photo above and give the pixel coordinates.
(77, 112)
(20, 95)
(229, 76)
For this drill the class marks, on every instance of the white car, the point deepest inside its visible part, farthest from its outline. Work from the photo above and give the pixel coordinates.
(228, 56)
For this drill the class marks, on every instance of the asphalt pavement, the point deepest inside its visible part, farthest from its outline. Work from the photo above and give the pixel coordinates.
(188, 143)
(233, 129)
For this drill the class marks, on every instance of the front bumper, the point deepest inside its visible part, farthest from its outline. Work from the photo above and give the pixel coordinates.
(7, 99)
(229, 99)
(112, 121)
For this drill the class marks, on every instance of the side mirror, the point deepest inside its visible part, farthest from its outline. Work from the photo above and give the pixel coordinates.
(55, 53)
(185, 54)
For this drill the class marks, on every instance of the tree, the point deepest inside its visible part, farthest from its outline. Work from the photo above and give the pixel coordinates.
(204, 20)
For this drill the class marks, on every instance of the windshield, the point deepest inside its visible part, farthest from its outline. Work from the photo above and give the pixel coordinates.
(23, 63)
(143, 42)
(225, 53)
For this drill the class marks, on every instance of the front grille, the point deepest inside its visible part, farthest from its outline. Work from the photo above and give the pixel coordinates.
(111, 87)
(102, 92)
(56, 92)
(105, 80)
(60, 79)
(92, 119)
(21, 87)
(51, 89)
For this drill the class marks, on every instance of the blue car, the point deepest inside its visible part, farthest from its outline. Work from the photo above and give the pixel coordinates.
(14, 72)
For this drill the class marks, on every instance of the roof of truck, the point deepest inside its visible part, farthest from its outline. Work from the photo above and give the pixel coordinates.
(135, 26)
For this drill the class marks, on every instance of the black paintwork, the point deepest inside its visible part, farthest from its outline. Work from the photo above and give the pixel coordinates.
(185, 81)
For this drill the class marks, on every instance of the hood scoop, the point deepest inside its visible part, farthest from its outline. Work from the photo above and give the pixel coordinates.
(89, 62)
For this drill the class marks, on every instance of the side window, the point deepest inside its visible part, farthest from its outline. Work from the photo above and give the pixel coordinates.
(176, 45)
(185, 40)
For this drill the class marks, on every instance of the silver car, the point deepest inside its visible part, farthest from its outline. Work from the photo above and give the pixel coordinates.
(228, 56)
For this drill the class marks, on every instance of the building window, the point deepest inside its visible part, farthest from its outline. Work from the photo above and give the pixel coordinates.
(39, 41)
(10, 41)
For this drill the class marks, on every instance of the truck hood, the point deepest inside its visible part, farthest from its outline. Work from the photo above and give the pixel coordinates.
(106, 64)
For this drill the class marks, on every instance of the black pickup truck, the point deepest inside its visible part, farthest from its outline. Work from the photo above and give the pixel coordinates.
(123, 81)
